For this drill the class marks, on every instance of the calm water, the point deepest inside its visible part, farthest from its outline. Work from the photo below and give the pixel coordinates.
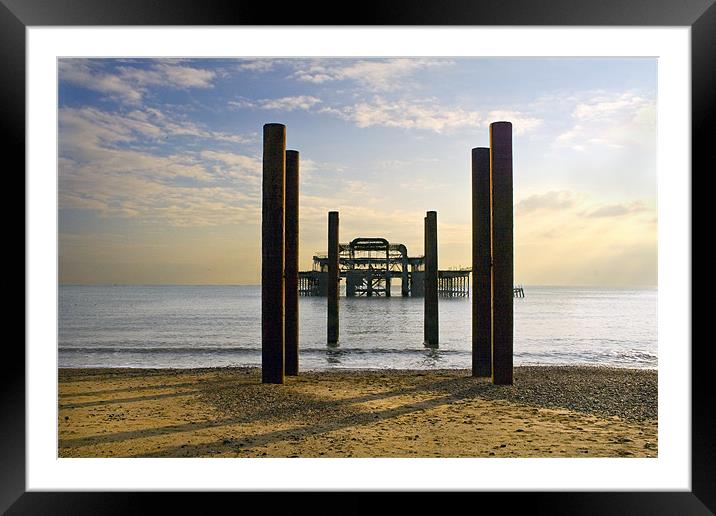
(202, 326)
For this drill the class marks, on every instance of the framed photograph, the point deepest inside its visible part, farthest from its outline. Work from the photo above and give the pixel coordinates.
(165, 146)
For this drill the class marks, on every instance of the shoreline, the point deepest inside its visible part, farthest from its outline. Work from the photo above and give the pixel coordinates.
(551, 411)
(357, 369)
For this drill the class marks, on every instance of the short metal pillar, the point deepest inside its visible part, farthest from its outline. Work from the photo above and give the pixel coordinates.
(333, 277)
(431, 279)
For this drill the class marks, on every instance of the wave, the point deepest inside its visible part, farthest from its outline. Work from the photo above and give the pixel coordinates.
(583, 356)
(245, 350)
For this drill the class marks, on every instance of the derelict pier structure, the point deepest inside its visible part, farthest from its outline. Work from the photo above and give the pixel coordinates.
(369, 266)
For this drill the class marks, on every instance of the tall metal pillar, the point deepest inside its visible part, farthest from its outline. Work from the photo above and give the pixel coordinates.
(502, 252)
(333, 277)
(291, 265)
(481, 264)
(431, 279)
(272, 253)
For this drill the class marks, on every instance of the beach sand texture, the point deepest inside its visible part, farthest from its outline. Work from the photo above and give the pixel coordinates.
(226, 412)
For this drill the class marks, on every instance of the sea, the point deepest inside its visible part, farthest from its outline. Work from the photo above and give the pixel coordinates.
(208, 326)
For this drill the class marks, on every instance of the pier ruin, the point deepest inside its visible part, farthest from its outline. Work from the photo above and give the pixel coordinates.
(370, 267)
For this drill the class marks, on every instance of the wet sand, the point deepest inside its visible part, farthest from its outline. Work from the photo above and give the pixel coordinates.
(227, 412)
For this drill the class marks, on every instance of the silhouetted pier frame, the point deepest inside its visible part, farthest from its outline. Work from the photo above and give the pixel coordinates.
(370, 264)
(492, 262)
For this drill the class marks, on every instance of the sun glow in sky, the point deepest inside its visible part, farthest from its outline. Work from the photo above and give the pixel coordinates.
(160, 162)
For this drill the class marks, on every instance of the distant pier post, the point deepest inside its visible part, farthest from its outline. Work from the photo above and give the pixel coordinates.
(404, 286)
(431, 279)
(502, 252)
(387, 271)
(333, 277)
(291, 338)
(272, 254)
(481, 264)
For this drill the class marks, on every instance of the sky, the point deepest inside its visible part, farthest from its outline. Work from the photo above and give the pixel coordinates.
(159, 166)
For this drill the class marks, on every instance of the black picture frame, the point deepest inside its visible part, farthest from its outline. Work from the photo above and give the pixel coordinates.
(17, 15)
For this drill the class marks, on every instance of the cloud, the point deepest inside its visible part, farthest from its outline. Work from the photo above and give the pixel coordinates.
(405, 114)
(101, 172)
(232, 158)
(564, 237)
(79, 126)
(167, 75)
(129, 84)
(521, 123)
(611, 121)
(425, 114)
(373, 74)
(552, 200)
(83, 73)
(241, 103)
(304, 102)
(236, 166)
(609, 106)
(575, 205)
(151, 189)
(257, 65)
(617, 210)
(293, 103)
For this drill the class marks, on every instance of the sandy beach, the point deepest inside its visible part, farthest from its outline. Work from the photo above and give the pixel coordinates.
(227, 412)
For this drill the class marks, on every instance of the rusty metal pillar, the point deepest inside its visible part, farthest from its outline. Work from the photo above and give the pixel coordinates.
(481, 264)
(431, 279)
(502, 252)
(272, 253)
(333, 277)
(291, 265)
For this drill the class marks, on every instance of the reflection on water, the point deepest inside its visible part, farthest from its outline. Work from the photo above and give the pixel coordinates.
(431, 358)
(334, 354)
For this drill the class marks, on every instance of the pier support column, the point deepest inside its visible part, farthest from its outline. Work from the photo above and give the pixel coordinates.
(404, 286)
(333, 277)
(431, 279)
(502, 252)
(387, 271)
(272, 253)
(481, 264)
(291, 265)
